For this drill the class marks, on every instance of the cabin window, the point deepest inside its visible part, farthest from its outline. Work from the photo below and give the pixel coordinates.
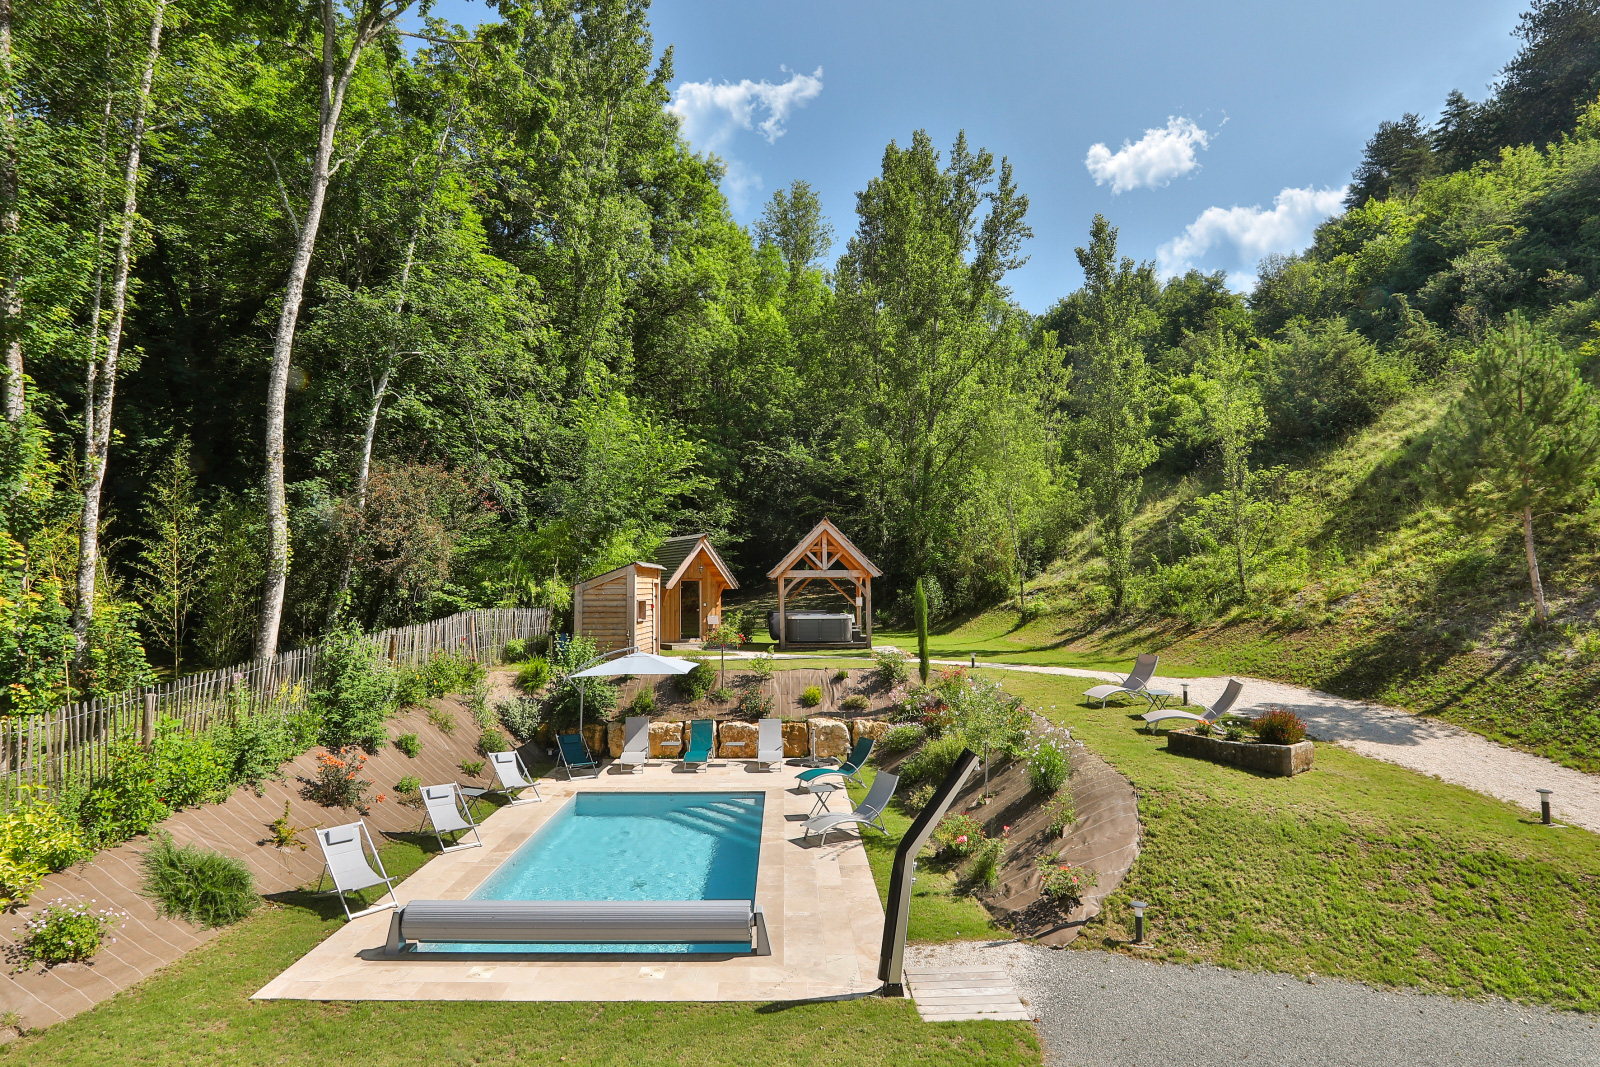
(642, 611)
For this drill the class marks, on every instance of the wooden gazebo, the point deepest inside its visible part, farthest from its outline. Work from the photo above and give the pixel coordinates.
(826, 555)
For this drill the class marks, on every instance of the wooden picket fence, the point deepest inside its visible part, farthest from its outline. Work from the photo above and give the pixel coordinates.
(72, 744)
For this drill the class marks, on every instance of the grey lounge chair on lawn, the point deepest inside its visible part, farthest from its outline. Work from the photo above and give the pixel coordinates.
(448, 812)
(344, 857)
(575, 755)
(635, 742)
(1221, 711)
(850, 769)
(512, 774)
(769, 743)
(867, 813)
(1134, 684)
(702, 739)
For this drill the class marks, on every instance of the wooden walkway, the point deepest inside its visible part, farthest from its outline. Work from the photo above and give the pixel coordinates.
(956, 996)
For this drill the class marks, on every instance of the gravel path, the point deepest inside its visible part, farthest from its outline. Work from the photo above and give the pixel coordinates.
(1427, 745)
(1101, 1009)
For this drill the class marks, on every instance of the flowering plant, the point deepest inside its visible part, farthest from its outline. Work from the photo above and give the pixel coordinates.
(959, 835)
(1063, 883)
(67, 933)
(338, 782)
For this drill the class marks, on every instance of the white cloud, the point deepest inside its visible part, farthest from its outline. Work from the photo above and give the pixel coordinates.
(711, 113)
(1155, 159)
(1253, 232)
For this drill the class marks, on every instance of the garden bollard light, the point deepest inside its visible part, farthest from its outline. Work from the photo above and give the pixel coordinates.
(974, 660)
(1185, 694)
(1544, 806)
(1138, 907)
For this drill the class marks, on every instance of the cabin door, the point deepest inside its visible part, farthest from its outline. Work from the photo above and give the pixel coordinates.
(689, 610)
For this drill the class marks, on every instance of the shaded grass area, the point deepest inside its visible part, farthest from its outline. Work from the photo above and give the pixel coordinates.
(198, 1011)
(1358, 869)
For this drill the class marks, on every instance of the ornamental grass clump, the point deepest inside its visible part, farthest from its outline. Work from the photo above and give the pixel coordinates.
(533, 675)
(1279, 726)
(196, 883)
(67, 933)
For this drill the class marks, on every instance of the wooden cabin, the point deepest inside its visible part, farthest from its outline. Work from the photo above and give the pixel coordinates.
(825, 555)
(620, 608)
(693, 578)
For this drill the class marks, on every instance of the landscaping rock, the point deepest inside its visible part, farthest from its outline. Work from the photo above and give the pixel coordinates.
(873, 728)
(594, 735)
(666, 740)
(796, 740)
(829, 737)
(614, 739)
(736, 740)
(1280, 761)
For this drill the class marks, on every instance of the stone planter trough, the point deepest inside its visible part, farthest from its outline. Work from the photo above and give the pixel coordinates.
(1279, 761)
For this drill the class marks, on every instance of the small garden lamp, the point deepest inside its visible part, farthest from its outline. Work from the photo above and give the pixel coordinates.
(1185, 695)
(1544, 806)
(1138, 907)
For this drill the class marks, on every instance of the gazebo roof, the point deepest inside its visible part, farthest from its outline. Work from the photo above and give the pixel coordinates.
(823, 547)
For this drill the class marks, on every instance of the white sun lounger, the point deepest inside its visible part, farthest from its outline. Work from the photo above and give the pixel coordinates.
(635, 742)
(769, 743)
(447, 813)
(867, 813)
(344, 857)
(1218, 712)
(512, 774)
(1134, 684)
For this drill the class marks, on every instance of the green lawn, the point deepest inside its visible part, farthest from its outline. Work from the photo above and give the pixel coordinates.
(1358, 868)
(198, 1012)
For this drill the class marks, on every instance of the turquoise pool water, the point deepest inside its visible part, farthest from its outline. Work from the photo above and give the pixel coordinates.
(633, 846)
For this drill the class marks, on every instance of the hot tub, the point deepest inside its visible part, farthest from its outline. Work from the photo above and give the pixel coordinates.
(815, 628)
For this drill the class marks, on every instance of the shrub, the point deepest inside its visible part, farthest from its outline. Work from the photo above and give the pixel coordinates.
(900, 738)
(1062, 883)
(338, 782)
(1279, 726)
(521, 716)
(408, 791)
(933, 761)
(516, 651)
(36, 838)
(984, 869)
(196, 883)
(754, 703)
(854, 702)
(410, 744)
(811, 696)
(478, 704)
(643, 703)
(190, 768)
(763, 665)
(841, 675)
(1233, 733)
(492, 741)
(1063, 813)
(256, 747)
(915, 799)
(126, 800)
(534, 675)
(472, 768)
(355, 690)
(561, 701)
(1048, 767)
(889, 666)
(285, 834)
(959, 835)
(697, 682)
(450, 672)
(721, 694)
(67, 933)
(442, 721)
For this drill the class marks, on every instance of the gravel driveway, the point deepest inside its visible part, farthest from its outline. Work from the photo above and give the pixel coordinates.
(1101, 1009)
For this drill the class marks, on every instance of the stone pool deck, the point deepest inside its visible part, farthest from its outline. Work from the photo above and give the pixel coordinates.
(823, 916)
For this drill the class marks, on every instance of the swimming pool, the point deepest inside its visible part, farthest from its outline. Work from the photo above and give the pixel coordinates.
(633, 846)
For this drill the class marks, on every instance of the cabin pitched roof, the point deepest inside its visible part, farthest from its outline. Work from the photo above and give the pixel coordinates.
(676, 552)
(838, 538)
(606, 575)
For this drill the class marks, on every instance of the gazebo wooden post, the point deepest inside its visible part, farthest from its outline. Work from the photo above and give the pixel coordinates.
(866, 624)
(782, 625)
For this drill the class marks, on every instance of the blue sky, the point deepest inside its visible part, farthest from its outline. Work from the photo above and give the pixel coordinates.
(1259, 109)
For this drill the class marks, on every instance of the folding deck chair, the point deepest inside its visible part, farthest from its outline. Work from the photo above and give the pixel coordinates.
(1135, 684)
(448, 812)
(512, 774)
(867, 813)
(635, 742)
(575, 755)
(344, 857)
(769, 743)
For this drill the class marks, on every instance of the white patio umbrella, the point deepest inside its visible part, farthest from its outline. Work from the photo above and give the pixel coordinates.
(632, 663)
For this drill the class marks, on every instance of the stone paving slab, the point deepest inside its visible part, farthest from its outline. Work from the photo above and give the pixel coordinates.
(823, 915)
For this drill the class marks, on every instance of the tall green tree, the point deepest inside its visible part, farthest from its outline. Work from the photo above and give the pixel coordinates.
(793, 223)
(1112, 434)
(174, 558)
(1523, 439)
(1234, 422)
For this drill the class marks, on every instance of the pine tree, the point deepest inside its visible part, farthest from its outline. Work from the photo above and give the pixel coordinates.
(1523, 439)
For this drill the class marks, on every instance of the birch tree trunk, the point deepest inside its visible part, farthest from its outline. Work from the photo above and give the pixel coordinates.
(102, 379)
(335, 81)
(10, 227)
(1540, 610)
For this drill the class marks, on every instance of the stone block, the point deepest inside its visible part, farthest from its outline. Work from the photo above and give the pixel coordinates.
(614, 739)
(796, 740)
(873, 728)
(736, 740)
(829, 737)
(594, 735)
(666, 740)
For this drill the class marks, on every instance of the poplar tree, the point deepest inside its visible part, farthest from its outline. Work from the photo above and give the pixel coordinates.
(1522, 440)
